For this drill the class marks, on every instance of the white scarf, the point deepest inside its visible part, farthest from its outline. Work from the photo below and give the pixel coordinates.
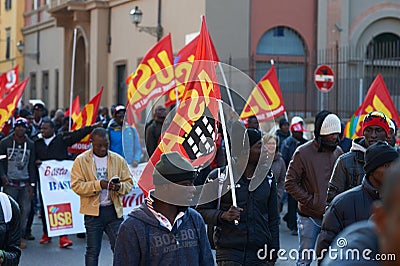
(6, 206)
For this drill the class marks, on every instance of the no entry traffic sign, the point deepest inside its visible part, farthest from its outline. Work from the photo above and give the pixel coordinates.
(324, 78)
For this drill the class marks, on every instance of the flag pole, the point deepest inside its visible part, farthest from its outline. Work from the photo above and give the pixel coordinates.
(177, 96)
(228, 156)
(72, 78)
(226, 86)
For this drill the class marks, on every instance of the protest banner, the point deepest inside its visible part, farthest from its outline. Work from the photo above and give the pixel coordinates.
(62, 203)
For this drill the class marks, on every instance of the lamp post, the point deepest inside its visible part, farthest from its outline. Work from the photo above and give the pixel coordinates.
(21, 47)
(136, 18)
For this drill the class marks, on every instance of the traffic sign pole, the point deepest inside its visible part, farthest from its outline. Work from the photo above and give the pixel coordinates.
(324, 80)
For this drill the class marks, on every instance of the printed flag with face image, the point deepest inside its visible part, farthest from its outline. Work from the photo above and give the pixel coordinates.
(8, 80)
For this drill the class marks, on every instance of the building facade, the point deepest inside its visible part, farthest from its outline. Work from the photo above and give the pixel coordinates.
(11, 22)
(356, 38)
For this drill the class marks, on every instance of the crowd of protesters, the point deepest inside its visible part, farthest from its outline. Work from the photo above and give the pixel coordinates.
(328, 182)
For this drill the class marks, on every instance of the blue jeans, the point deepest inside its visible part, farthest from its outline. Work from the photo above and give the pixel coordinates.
(108, 222)
(22, 196)
(308, 229)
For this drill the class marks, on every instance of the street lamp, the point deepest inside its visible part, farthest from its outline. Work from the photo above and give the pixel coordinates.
(136, 18)
(21, 47)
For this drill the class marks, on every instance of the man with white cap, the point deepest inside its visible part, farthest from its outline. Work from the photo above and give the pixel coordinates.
(392, 134)
(308, 176)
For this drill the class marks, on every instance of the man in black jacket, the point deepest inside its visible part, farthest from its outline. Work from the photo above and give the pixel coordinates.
(356, 204)
(17, 172)
(257, 233)
(55, 147)
(348, 171)
(376, 241)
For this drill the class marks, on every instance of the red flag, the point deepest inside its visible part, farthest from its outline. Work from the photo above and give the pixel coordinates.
(86, 118)
(377, 99)
(193, 124)
(153, 77)
(8, 80)
(183, 64)
(265, 101)
(9, 103)
(75, 109)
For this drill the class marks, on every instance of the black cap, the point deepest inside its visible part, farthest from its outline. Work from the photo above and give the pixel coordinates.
(378, 154)
(174, 168)
(283, 121)
(38, 106)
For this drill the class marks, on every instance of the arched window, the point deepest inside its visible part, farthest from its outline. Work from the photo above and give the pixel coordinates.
(287, 48)
(281, 41)
(384, 46)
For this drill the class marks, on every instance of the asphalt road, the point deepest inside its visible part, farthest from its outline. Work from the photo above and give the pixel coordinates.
(50, 254)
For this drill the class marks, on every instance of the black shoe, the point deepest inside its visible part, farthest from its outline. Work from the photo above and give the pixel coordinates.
(294, 232)
(29, 236)
(81, 235)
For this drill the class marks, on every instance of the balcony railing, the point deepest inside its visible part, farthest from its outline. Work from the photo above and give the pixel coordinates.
(56, 3)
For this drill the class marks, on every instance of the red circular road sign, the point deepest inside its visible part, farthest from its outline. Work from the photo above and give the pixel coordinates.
(324, 78)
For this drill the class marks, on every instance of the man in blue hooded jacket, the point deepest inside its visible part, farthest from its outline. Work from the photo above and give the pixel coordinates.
(124, 138)
(163, 230)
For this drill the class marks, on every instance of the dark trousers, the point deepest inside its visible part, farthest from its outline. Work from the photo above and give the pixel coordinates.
(291, 215)
(107, 222)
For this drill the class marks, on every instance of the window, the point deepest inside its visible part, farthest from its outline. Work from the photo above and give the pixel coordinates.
(45, 87)
(384, 46)
(281, 41)
(8, 42)
(56, 87)
(8, 4)
(121, 85)
(288, 47)
(32, 81)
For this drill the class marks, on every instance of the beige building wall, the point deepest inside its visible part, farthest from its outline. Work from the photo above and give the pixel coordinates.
(11, 19)
(128, 45)
(44, 58)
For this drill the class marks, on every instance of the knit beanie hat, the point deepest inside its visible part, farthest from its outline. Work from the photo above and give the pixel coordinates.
(282, 122)
(21, 122)
(377, 155)
(254, 136)
(378, 119)
(330, 125)
(174, 168)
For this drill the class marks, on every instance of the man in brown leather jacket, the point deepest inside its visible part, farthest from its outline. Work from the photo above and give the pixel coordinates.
(308, 176)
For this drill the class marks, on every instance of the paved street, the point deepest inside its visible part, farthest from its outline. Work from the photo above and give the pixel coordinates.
(51, 254)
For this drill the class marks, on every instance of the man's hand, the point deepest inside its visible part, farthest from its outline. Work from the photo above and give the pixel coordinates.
(114, 186)
(105, 184)
(98, 124)
(38, 163)
(232, 214)
(31, 191)
(4, 180)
